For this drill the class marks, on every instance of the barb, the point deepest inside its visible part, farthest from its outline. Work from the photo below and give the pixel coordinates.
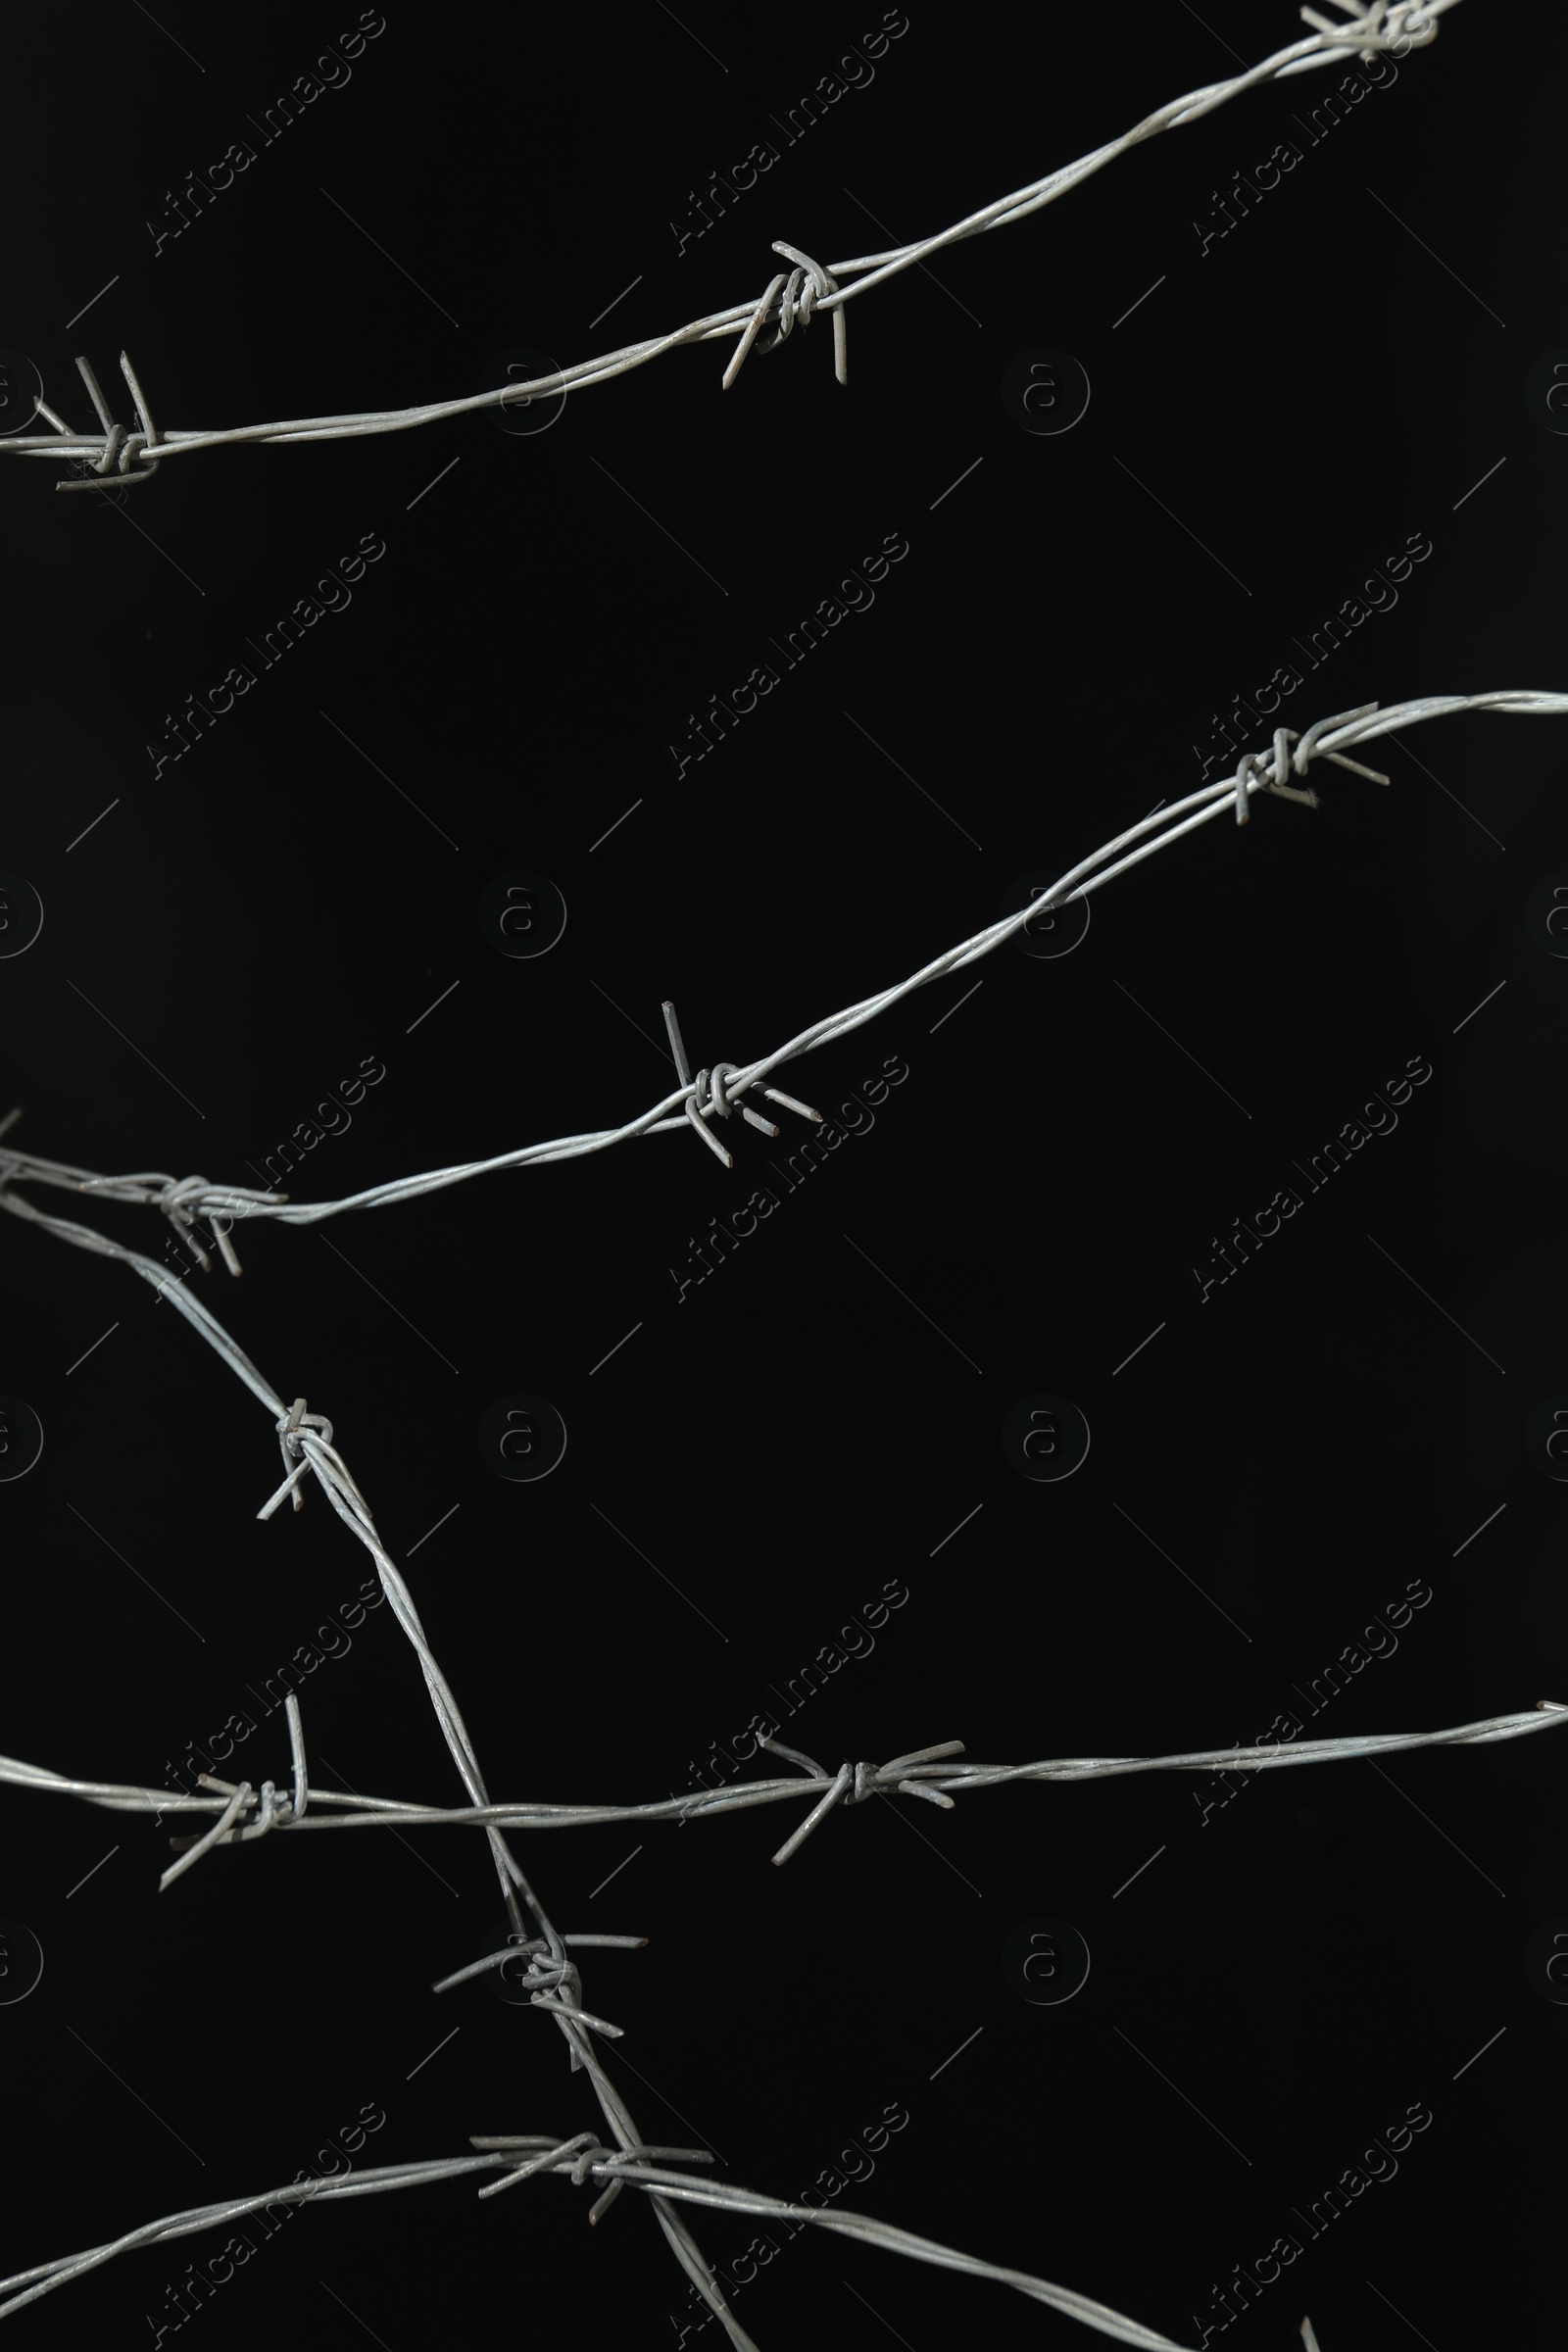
(119, 456)
(914, 1775)
(718, 1090)
(580, 2159)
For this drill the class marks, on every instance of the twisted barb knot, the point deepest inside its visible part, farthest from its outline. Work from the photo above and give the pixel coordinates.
(1379, 23)
(855, 1782)
(788, 298)
(121, 449)
(1266, 771)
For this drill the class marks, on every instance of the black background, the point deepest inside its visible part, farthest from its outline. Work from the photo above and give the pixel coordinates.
(240, 931)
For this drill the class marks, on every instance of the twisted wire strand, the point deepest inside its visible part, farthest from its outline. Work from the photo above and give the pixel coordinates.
(310, 1436)
(940, 1784)
(119, 455)
(571, 2159)
(700, 1097)
(307, 1443)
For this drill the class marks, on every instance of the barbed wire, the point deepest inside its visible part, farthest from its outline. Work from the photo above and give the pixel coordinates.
(119, 455)
(307, 1445)
(916, 1774)
(580, 2159)
(717, 1092)
(553, 1978)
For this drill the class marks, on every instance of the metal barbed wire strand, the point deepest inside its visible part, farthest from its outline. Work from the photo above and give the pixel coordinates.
(309, 1437)
(717, 1092)
(580, 2159)
(306, 1440)
(557, 1989)
(909, 1776)
(120, 456)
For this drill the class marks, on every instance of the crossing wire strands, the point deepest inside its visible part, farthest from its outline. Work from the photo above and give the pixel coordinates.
(116, 455)
(307, 1445)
